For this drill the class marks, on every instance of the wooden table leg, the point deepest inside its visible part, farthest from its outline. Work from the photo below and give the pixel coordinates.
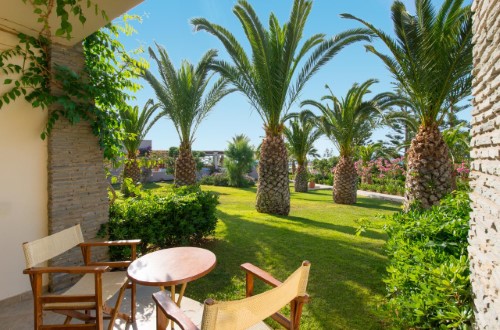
(181, 294)
(178, 302)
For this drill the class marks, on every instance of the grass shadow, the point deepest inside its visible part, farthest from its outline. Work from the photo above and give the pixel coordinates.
(377, 204)
(343, 279)
(339, 228)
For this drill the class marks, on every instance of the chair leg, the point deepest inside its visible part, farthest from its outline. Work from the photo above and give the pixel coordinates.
(67, 320)
(36, 283)
(296, 311)
(98, 302)
(116, 309)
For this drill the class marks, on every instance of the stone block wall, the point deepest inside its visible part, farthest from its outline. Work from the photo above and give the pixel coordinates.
(77, 186)
(484, 235)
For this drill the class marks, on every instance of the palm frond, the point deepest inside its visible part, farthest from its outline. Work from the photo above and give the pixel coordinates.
(431, 55)
(182, 94)
(265, 75)
(301, 135)
(136, 125)
(349, 120)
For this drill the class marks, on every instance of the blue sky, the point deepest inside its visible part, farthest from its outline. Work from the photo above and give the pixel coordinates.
(167, 23)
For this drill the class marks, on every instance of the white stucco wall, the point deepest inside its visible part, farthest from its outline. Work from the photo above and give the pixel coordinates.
(23, 186)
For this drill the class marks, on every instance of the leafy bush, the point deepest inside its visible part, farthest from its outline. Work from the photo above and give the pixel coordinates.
(216, 179)
(391, 187)
(428, 273)
(222, 179)
(183, 216)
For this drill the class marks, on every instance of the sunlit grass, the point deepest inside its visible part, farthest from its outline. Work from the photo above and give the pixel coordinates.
(345, 283)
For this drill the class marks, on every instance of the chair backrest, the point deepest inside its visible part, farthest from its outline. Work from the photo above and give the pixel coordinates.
(244, 313)
(51, 246)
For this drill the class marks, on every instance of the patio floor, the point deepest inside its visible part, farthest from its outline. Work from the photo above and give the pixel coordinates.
(19, 316)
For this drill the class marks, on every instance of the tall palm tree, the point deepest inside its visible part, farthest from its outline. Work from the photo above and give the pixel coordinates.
(239, 158)
(432, 62)
(344, 123)
(458, 141)
(301, 136)
(272, 80)
(367, 153)
(184, 99)
(136, 125)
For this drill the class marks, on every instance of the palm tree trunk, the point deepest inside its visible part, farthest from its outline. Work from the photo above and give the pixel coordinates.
(132, 169)
(301, 178)
(429, 170)
(185, 167)
(273, 192)
(345, 181)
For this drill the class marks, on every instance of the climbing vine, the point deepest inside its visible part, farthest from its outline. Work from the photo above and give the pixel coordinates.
(93, 95)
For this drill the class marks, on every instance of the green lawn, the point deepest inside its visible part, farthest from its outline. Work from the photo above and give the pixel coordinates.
(345, 282)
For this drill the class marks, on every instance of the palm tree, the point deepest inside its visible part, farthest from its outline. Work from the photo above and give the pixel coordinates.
(239, 158)
(135, 126)
(344, 124)
(432, 62)
(272, 80)
(301, 136)
(366, 153)
(183, 99)
(458, 141)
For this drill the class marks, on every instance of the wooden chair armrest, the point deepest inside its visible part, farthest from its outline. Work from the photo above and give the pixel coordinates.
(69, 270)
(112, 243)
(173, 312)
(112, 264)
(86, 251)
(261, 274)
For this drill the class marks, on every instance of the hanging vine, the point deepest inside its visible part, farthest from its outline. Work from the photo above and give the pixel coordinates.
(93, 95)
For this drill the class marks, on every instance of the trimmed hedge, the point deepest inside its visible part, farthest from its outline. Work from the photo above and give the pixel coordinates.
(428, 273)
(181, 217)
(222, 179)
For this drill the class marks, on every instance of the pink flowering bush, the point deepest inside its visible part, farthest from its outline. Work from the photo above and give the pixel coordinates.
(382, 175)
(462, 170)
(364, 168)
(390, 168)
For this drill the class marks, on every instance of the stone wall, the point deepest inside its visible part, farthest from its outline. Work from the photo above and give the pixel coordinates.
(77, 187)
(484, 235)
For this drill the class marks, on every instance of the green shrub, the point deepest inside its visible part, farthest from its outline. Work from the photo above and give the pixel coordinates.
(248, 181)
(216, 179)
(428, 272)
(207, 180)
(183, 216)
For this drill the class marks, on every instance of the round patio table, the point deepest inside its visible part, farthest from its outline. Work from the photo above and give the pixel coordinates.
(170, 267)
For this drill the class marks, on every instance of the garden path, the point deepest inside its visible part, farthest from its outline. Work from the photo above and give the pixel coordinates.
(371, 194)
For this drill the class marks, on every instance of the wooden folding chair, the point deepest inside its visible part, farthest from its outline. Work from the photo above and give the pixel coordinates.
(90, 293)
(244, 313)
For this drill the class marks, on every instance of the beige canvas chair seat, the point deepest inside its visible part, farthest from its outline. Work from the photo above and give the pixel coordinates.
(244, 313)
(90, 294)
(111, 284)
